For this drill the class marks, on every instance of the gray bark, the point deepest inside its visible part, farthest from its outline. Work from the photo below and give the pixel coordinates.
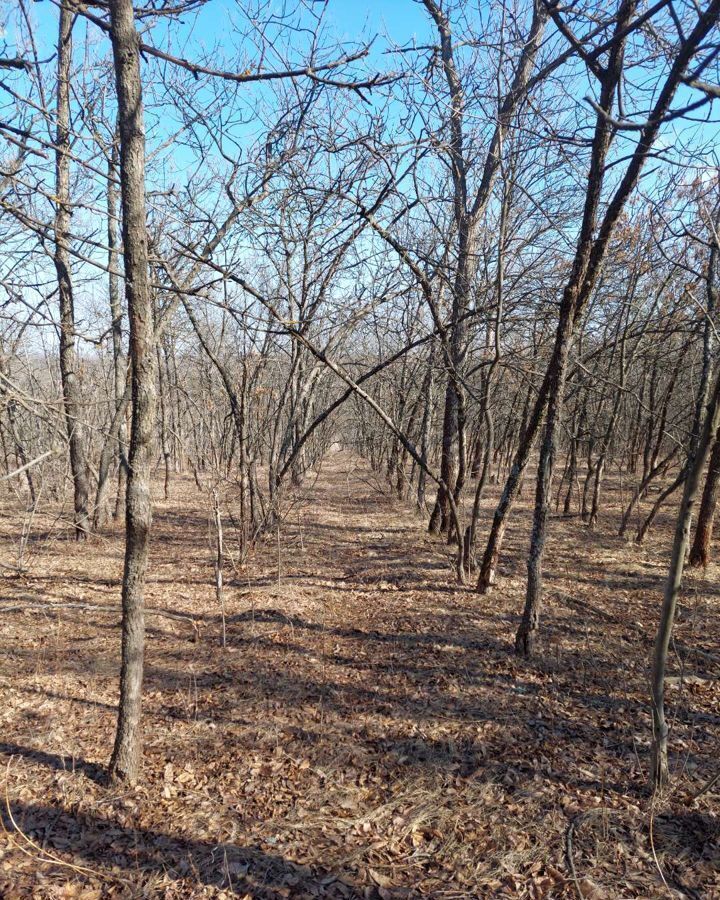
(69, 362)
(126, 758)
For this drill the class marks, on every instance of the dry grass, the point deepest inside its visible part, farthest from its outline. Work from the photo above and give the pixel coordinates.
(367, 731)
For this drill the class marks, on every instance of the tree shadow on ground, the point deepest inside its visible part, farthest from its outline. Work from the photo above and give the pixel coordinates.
(55, 761)
(134, 856)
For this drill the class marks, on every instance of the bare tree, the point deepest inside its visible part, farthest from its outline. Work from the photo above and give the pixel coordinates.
(69, 361)
(125, 762)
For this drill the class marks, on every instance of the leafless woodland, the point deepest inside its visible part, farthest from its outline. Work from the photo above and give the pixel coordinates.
(359, 449)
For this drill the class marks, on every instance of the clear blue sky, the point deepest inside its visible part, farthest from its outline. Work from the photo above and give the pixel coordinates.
(402, 19)
(349, 21)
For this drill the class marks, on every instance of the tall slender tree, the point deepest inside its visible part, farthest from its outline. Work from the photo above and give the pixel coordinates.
(69, 359)
(126, 756)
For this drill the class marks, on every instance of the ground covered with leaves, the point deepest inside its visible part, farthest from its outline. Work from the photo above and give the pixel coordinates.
(367, 731)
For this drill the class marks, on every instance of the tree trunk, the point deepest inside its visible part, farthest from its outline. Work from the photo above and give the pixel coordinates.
(427, 395)
(571, 469)
(525, 637)
(588, 258)
(700, 553)
(659, 769)
(72, 402)
(510, 492)
(439, 518)
(115, 439)
(126, 757)
(164, 444)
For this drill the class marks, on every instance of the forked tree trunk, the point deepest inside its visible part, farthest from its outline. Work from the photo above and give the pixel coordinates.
(126, 757)
(644, 528)
(72, 402)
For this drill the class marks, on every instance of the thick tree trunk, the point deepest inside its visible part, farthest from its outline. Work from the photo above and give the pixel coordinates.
(69, 362)
(126, 758)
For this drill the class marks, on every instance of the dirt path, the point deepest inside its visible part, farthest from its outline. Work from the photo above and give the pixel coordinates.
(366, 732)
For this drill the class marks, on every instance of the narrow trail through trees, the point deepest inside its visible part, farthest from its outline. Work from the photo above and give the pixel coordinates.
(360, 410)
(367, 732)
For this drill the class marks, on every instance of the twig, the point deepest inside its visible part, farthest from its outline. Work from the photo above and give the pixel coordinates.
(29, 465)
(569, 851)
(652, 845)
(713, 781)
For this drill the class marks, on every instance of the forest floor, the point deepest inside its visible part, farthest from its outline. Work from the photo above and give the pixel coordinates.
(367, 732)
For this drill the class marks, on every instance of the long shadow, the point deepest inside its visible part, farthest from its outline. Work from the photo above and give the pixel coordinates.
(55, 761)
(354, 529)
(402, 638)
(352, 584)
(85, 701)
(142, 853)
